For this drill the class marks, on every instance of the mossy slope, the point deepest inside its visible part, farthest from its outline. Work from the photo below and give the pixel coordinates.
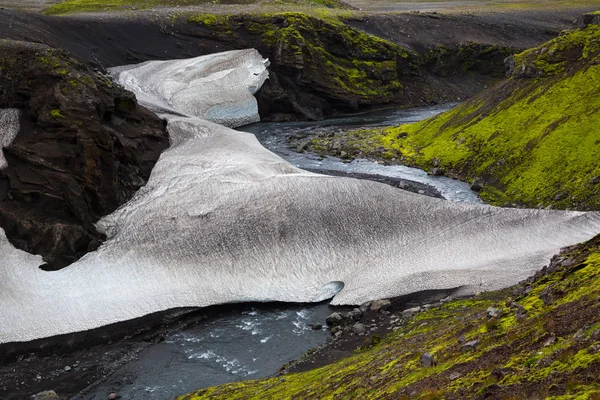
(533, 140)
(545, 344)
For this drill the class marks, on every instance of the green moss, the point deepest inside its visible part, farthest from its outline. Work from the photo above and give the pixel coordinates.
(344, 61)
(534, 141)
(56, 114)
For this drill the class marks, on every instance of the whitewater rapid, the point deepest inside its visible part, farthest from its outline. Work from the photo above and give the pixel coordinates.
(224, 220)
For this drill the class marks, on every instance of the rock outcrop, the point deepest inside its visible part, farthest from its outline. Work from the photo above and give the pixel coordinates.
(82, 149)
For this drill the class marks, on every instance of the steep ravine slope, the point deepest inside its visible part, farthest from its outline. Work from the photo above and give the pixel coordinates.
(532, 141)
(83, 147)
(537, 340)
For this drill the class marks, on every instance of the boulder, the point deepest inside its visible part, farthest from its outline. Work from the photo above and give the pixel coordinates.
(436, 171)
(358, 329)
(469, 346)
(410, 312)
(354, 315)
(380, 305)
(477, 184)
(45, 395)
(334, 319)
(493, 312)
(427, 360)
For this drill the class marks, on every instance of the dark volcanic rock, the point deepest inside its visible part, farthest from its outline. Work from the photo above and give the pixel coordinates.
(84, 147)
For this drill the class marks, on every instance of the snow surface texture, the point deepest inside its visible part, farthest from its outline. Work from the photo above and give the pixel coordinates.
(216, 87)
(222, 220)
(9, 127)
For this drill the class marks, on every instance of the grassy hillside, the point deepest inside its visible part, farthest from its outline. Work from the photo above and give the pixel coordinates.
(533, 140)
(75, 6)
(544, 344)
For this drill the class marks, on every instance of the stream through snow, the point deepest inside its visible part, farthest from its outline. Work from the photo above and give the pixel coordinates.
(224, 220)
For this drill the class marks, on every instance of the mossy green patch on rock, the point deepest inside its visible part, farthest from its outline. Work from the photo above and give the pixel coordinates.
(332, 57)
(533, 140)
(545, 343)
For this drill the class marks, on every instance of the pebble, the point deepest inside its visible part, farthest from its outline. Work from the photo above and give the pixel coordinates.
(493, 312)
(358, 328)
(380, 305)
(427, 360)
(68, 368)
(469, 346)
(455, 375)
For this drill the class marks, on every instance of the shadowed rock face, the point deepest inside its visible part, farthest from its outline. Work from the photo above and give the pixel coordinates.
(83, 148)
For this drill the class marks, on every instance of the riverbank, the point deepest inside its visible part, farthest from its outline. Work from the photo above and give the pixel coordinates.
(539, 339)
(518, 143)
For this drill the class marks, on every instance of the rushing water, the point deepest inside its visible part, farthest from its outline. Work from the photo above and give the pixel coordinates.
(275, 136)
(243, 344)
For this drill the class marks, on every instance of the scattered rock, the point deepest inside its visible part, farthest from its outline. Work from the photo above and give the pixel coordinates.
(68, 368)
(595, 180)
(435, 171)
(114, 396)
(334, 319)
(45, 395)
(354, 315)
(500, 373)
(521, 313)
(380, 305)
(477, 184)
(316, 327)
(358, 328)
(410, 312)
(580, 334)
(469, 346)
(547, 295)
(454, 376)
(427, 360)
(493, 312)
(549, 342)
(560, 196)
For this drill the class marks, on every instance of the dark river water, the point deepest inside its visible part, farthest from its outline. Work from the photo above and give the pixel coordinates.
(255, 343)
(238, 345)
(275, 135)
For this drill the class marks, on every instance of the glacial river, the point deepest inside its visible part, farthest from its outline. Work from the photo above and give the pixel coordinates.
(250, 343)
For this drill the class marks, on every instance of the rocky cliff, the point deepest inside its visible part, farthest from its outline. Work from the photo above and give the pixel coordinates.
(83, 148)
